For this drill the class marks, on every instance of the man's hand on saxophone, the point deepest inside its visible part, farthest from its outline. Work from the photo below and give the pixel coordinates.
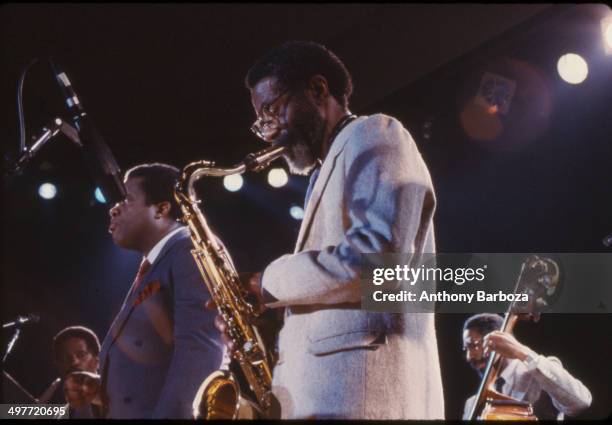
(251, 283)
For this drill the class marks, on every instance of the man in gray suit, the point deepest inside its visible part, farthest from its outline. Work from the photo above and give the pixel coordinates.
(369, 192)
(162, 344)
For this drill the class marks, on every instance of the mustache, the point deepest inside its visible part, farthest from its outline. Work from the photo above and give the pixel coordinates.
(283, 139)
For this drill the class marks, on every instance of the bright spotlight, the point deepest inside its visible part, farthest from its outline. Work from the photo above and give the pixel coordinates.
(608, 35)
(47, 191)
(277, 177)
(296, 212)
(99, 196)
(572, 68)
(606, 29)
(233, 182)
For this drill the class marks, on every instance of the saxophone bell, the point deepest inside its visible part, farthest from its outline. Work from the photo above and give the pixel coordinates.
(218, 397)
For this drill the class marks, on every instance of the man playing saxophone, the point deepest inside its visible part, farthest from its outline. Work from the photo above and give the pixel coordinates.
(369, 192)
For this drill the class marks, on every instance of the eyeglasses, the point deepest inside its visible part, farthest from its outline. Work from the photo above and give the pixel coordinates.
(473, 345)
(266, 125)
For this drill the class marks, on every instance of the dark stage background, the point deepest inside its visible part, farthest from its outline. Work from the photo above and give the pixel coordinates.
(164, 83)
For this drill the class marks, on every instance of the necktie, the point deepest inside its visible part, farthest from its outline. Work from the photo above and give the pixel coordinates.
(142, 270)
(499, 384)
(311, 183)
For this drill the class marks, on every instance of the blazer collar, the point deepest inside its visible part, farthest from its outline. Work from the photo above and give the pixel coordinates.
(183, 232)
(321, 183)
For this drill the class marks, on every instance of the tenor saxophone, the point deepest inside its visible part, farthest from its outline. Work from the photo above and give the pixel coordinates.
(220, 395)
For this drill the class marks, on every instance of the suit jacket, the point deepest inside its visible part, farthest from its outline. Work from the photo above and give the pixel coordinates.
(373, 195)
(163, 343)
(546, 376)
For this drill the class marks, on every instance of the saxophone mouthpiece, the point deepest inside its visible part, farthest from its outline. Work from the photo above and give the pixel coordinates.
(257, 161)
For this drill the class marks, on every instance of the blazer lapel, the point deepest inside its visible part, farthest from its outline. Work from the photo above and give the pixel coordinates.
(317, 191)
(128, 304)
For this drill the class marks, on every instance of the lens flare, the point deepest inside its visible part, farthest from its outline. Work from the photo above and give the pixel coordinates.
(572, 68)
(608, 35)
(296, 212)
(233, 183)
(99, 196)
(277, 177)
(47, 191)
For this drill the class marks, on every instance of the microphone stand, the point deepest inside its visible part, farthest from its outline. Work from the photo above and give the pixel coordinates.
(16, 166)
(11, 344)
(48, 133)
(98, 156)
(17, 324)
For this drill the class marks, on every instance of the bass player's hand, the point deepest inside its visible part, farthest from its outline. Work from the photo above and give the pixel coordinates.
(505, 345)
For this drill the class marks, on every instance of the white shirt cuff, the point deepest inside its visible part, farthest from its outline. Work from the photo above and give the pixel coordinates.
(531, 361)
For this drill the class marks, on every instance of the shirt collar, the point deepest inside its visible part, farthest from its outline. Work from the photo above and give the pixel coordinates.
(154, 253)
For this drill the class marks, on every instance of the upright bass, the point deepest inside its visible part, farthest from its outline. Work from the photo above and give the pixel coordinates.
(539, 278)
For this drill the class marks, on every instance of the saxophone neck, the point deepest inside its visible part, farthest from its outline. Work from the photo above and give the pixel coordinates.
(183, 190)
(260, 160)
(194, 171)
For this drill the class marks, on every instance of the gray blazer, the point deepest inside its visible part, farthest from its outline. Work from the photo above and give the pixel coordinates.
(373, 194)
(163, 343)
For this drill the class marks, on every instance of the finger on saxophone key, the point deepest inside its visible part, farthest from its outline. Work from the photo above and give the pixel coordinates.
(225, 338)
(210, 305)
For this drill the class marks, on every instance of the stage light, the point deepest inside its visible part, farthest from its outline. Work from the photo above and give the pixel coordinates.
(277, 177)
(47, 191)
(495, 93)
(296, 212)
(608, 34)
(233, 182)
(99, 196)
(606, 30)
(572, 68)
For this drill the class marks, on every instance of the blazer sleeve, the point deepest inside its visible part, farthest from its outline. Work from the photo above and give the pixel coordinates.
(388, 201)
(198, 350)
(567, 393)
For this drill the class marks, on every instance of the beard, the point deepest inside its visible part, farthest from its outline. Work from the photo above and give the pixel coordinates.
(304, 139)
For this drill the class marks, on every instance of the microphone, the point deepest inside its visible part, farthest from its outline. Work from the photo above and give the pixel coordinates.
(72, 100)
(97, 154)
(22, 320)
(607, 241)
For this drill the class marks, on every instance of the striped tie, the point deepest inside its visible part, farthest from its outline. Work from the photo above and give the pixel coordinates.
(499, 384)
(142, 270)
(311, 183)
